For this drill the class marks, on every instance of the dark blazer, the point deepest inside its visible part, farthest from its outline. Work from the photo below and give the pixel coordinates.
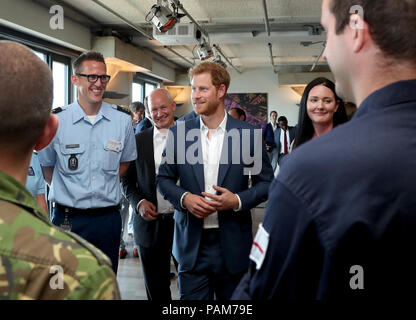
(234, 227)
(292, 135)
(268, 136)
(140, 183)
(143, 125)
(188, 116)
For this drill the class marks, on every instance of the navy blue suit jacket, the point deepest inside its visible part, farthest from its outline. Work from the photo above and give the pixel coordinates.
(268, 136)
(235, 227)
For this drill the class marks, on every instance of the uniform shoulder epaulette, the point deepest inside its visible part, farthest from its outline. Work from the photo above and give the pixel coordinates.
(119, 108)
(57, 110)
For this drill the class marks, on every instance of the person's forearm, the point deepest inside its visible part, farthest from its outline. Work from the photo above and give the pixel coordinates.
(47, 174)
(40, 198)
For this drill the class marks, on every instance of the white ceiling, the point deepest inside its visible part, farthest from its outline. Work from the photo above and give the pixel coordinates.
(237, 26)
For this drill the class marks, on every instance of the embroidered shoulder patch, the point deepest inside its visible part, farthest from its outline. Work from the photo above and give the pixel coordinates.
(259, 248)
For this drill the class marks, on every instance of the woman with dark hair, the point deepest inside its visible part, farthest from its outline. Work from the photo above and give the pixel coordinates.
(320, 111)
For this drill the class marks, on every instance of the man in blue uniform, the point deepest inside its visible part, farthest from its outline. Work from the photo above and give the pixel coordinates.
(84, 162)
(341, 217)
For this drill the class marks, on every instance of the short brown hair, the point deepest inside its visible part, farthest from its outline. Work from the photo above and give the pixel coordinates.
(219, 75)
(26, 98)
(392, 24)
(87, 56)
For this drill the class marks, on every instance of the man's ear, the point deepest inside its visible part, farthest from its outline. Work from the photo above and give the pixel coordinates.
(48, 133)
(221, 91)
(74, 80)
(359, 31)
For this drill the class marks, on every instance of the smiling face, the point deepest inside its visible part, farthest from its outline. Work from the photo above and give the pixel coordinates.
(161, 109)
(90, 93)
(206, 98)
(321, 105)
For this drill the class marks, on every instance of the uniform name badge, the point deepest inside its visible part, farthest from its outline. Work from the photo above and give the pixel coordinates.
(73, 162)
(259, 248)
(113, 145)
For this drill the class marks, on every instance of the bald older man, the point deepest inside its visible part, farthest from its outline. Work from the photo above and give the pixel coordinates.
(153, 222)
(37, 260)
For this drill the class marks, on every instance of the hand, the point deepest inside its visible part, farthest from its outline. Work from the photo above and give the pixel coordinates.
(225, 201)
(147, 210)
(267, 147)
(198, 206)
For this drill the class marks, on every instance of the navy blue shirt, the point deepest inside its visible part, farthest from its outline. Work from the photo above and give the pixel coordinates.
(345, 199)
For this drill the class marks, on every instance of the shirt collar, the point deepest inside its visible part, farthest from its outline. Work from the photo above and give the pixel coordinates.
(78, 113)
(221, 126)
(159, 134)
(392, 94)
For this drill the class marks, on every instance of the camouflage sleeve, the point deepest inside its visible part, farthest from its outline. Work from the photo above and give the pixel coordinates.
(101, 285)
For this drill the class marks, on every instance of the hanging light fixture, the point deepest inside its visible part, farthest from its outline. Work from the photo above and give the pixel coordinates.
(204, 49)
(162, 16)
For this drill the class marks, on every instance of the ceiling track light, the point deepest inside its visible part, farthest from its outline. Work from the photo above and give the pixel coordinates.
(204, 49)
(217, 60)
(162, 16)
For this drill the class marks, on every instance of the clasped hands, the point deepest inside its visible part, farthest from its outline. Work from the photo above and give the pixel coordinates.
(147, 210)
(202, 208)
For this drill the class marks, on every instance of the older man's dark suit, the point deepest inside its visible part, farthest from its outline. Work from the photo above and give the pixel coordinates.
(154, 237)
(234, 227)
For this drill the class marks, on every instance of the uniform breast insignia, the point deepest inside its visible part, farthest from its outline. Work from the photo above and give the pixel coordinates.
(31, 172)
(73, 162)
(121, 109)
(57, 110)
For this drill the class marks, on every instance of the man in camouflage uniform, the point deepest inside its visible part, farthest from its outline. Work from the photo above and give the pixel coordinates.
(37, 259)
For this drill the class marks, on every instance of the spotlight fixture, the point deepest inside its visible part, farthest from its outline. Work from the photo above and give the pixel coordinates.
(204, 49)
(217, 60)
(162, 17)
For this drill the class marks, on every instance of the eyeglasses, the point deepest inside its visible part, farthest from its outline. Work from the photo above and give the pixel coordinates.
(94, 77)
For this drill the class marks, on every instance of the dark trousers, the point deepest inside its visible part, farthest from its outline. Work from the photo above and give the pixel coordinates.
(209, 279)
(103, 231)
(155, 261)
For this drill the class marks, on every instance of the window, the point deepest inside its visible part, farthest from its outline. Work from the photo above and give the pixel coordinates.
(142, 86)
(41, 55)
(148, 88)
(137, 92)
(60, 84)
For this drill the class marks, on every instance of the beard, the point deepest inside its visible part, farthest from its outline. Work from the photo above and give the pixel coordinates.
(209, 107)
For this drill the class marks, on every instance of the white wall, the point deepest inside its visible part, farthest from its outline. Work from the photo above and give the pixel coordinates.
(283, 100)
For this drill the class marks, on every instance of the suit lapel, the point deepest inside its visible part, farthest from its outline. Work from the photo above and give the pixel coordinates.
(197, 168)
(229, 149)
(150, 158)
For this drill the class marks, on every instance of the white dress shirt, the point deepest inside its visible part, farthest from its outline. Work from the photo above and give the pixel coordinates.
(282, 140)
(159, 141)
(211, 153)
